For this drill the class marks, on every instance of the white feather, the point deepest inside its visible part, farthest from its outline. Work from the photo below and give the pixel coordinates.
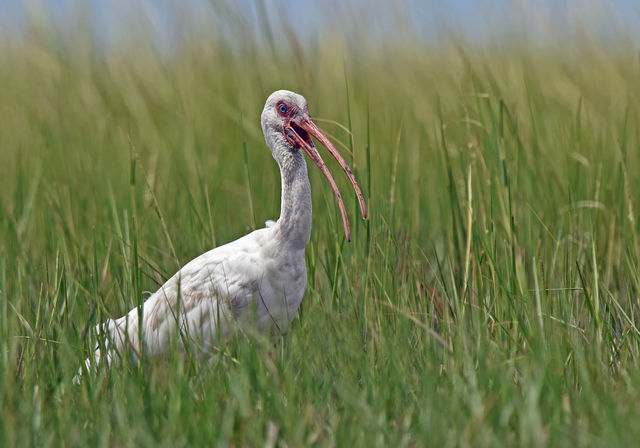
(259, 278)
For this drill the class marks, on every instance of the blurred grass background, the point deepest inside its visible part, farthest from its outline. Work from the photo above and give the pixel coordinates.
(491, 299)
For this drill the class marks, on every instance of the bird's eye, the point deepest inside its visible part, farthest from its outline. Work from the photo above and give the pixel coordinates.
(282, 109)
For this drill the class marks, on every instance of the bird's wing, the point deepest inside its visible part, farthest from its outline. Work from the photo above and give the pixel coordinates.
(202, 300)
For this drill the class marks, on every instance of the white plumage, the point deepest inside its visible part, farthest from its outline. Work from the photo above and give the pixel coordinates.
(259, 278)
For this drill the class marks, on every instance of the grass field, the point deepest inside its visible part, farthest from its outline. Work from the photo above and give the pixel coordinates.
(491, 299)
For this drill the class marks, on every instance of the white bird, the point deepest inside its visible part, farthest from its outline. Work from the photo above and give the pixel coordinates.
(259, 278)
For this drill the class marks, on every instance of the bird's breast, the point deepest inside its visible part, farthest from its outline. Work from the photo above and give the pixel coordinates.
(282, 288)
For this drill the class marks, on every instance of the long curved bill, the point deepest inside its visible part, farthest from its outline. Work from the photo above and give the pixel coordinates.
(310, 127)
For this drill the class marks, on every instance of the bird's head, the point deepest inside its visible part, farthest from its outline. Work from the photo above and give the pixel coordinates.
(287, 127)
(282, 117)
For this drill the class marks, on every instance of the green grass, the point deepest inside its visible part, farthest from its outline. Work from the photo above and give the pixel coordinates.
(491, 299)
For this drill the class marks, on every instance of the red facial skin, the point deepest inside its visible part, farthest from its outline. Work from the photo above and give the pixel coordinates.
(294, 117)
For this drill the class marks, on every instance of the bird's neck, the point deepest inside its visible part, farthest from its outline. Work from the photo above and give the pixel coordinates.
(295, 207)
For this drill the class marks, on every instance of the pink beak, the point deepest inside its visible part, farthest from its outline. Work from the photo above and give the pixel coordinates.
(309, 126)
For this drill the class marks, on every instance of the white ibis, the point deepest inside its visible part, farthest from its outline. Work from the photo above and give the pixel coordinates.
(261, 275)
